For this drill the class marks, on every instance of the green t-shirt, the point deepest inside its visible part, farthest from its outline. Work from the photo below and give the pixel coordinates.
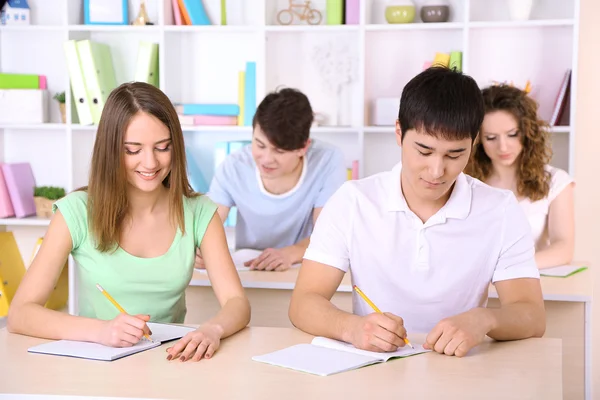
(152, 286)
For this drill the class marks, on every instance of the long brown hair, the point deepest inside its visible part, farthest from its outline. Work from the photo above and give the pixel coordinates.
(533, 181)
(107, 191)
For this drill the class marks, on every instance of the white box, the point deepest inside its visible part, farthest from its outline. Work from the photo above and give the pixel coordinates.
(385, 111)
(23, 106)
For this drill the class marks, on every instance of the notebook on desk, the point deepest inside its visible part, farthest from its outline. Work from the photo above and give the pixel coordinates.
(161, 333)
(240, 256)
(325, 356)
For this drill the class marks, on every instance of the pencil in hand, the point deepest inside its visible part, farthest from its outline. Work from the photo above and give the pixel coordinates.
(117, 305)
(377, 310)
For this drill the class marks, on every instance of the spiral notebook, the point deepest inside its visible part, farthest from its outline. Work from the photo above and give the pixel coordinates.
(161, 333)
(325, 356)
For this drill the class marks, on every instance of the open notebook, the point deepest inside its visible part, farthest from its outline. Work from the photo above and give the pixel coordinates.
(325, 356)
(562, 271)
(241, 256)
(160, 333)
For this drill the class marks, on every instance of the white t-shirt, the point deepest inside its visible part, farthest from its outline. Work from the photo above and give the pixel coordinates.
(423, 272)
(537, 211)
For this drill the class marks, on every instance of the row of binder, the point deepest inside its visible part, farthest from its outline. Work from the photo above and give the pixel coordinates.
(92, 74)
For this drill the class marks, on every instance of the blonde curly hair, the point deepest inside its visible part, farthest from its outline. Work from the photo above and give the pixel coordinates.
(533, 181)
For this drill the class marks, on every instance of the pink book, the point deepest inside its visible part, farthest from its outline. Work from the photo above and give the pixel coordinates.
(176, 12)
(20, 183)
(43, 82)
(352, 12)
(6, 207)
(215, 120)
(355, 169)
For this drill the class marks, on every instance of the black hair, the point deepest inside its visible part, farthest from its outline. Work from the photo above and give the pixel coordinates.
(442, 102)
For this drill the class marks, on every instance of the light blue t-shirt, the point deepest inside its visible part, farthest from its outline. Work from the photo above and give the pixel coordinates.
(267, 220)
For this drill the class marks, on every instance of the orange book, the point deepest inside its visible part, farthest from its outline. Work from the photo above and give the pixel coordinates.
(184, 13)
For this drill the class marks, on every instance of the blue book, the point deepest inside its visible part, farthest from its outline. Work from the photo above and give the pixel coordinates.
(196, 11)
(211, 109)
(250, 93)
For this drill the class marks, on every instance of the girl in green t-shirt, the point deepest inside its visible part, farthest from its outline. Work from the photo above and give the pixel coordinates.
(133, 231)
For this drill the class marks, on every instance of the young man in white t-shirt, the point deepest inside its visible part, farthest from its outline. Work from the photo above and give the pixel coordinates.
(423, 241)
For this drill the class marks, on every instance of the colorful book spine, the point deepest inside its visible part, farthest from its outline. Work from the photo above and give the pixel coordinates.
(335, 12)
(455, 61)
(249, 93)
(6, 207)
(352, 12)
(20, 183)
(441, 59)
(196, 12)
(232, 110)
(19, 81)
(241, 86)
(176, 12)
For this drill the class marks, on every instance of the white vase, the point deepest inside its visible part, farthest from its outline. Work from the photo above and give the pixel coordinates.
(520, 10)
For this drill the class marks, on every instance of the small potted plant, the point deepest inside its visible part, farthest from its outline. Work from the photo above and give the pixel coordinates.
(60, 97)
(44, 197)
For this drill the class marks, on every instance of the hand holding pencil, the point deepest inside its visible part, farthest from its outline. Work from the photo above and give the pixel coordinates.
(379, 331)
(124, 330)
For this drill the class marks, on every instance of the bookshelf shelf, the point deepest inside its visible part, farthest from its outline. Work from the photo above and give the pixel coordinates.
(27, 221)
(37, 127)
(32, 28)
(520, 24)
(312, 28)
(415, 26)
(115, 28)
(213, 29)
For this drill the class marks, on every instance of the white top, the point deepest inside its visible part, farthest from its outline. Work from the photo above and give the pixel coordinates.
(423, 272)
(537, 211)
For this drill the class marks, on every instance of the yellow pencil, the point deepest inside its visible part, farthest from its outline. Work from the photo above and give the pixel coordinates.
(374, 307)
(109, 297)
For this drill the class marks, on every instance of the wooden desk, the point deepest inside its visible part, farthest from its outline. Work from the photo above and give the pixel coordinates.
(528, 369)
(567, 301)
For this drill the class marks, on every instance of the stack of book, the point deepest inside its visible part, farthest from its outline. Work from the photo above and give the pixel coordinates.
(23, 98)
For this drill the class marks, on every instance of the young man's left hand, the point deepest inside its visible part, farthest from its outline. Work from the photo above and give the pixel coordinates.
(271, 260)
(459, 334)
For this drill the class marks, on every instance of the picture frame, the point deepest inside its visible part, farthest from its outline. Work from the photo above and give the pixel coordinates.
(105, 12)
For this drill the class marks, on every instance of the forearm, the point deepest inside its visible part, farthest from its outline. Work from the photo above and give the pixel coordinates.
(514, 321)
(232, 317)
(35, 320)
(558, 253)
(296, 251)
(314, 314)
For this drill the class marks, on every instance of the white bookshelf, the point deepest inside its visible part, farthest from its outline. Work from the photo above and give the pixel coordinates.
(200, 64)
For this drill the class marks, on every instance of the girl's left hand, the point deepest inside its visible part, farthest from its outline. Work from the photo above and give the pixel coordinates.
(203, 342)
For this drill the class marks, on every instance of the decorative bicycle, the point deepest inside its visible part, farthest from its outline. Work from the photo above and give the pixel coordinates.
(302, 11)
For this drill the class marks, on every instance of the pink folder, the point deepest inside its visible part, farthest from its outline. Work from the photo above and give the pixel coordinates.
(6, 207)
(352, 12)
(20, 183)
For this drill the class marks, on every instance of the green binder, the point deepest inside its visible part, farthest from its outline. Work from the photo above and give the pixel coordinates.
(335, 12)
(98, 72)
(147, 64)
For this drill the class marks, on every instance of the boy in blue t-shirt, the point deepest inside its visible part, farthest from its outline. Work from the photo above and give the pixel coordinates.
(279, 183)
